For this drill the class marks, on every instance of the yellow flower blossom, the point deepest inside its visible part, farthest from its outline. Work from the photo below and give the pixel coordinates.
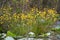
(2, 22)
(23, 16)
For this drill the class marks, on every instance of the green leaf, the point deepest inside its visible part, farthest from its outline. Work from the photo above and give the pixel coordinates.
(9, 33)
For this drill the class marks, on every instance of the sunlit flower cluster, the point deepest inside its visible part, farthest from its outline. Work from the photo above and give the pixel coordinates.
(33, 18)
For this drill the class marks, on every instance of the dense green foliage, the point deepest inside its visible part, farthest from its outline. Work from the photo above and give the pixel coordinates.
(19, 17)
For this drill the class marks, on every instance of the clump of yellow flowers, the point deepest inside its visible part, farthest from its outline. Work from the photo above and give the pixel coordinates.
(31, 21)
